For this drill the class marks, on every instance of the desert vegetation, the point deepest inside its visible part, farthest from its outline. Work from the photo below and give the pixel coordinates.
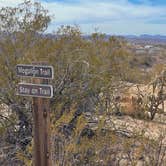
(106, 110)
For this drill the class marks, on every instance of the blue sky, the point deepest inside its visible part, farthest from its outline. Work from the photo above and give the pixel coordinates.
(108, 16)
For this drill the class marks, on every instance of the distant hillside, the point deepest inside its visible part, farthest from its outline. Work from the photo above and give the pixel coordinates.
(142, 39)
(146, 39)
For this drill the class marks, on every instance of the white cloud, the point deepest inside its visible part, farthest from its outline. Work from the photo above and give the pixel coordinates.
(113, 16)
(116, 15)
(125, 28)
(4, 3)
(87, 10)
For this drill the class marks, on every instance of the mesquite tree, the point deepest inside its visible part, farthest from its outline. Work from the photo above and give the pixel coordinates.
(20, 28)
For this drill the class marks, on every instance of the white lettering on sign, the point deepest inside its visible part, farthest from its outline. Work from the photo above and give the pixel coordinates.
(44, 91)
(45, 72)
(24, 90)
(28, 71)
(36, 71)
(35, 90)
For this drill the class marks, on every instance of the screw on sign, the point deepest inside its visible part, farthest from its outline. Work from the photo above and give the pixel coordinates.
(41, 92)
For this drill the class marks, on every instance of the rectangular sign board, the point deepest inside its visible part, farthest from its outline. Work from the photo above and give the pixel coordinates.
(36, 71)
(35, 90)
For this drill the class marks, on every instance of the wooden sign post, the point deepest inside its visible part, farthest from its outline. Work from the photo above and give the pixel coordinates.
(41, 115)
(41, 92)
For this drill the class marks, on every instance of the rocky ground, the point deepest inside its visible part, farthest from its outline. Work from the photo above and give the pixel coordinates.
(126, 126)
(130, 126)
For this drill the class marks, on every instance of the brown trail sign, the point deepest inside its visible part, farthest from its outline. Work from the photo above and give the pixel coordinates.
(41, 92)
(36, 71)
(35, 90)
